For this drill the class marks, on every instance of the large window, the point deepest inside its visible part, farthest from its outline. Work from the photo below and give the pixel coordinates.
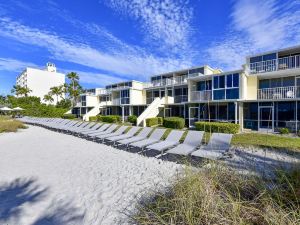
(226, 86)
(124, 96)
(277, 82)
(204, 85)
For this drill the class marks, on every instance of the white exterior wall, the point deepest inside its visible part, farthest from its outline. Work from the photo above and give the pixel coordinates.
(40, 82)
(137, 97)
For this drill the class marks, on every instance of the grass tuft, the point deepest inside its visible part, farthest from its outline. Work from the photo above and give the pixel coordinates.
(10, 125)
(218, 195)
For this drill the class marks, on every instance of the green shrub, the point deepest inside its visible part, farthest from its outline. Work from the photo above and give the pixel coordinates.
(284, 130)
(174, 122)
(160, 120)
(110, 119)
(217, 127)
(152, 122)
(68, 116)
(93, 118)
(132, 119)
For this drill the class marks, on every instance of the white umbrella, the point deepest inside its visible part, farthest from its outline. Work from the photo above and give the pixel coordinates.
(5, 109)
(18, 109)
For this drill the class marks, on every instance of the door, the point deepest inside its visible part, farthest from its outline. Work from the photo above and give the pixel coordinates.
(193, 116)
(266, 118)
(297, 87)
(168, 112)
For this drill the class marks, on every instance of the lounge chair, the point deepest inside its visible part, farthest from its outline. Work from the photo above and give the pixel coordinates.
(109, 130)
(95, 132)
(154, 138)
(88, 126)
(141, 136)
(87, 130)
(171, 141)
(128, 135)
(119, 131)
(191, 142)
(218, 145)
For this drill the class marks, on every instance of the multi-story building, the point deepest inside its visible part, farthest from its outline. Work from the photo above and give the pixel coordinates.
(40, 81)
(262, 95)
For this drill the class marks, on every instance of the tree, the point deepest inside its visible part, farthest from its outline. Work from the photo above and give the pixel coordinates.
(48, 98)
(57, 91)
(74, 89)
(20, 91)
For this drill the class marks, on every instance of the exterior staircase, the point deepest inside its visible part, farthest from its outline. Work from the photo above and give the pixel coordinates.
(94, 111)
(151, 111)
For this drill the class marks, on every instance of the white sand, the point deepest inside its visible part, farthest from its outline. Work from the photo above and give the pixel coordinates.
(68, 180)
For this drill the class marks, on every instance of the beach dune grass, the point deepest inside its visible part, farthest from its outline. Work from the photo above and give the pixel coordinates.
(10, 125)
(220, 196)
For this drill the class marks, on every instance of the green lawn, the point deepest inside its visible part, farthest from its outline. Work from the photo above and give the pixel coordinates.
(267, 140)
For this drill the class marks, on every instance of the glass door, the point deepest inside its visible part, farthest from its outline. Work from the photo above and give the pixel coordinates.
(193, 116)
(297, 87)
(266, 118)
(168, 112)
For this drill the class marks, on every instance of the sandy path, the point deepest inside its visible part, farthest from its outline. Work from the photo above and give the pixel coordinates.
(51, 178)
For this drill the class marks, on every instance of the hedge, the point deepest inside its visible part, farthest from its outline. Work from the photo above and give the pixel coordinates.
(150, 122)
(174, 122)
(93, 118)
(68, 116)
(217, 127)
(132, 119)
(110, 119)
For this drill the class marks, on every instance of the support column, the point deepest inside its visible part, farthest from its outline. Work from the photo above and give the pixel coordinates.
(241, 116)
(123, 116)
(235, 112)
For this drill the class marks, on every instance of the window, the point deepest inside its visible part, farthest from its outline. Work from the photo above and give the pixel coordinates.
(232, 93)
(204, 85)
(219, 94)
(219, 82)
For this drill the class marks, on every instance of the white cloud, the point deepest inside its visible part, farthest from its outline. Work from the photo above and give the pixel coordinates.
(257, 26)
(165, 22)
(14, 65)
(128, 61)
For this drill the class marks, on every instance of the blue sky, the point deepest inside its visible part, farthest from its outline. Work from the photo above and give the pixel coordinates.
(108, 41)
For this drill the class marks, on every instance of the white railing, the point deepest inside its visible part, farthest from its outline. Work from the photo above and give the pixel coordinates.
(289, 62)
(180, 98)
(278, 93)
(116, 101)
(171, 81)
(200, 95)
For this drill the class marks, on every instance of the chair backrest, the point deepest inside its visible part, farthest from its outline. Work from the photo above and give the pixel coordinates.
(112, 128)
(103, 127)
(133, 130)
(97, 125)
(219, 141)
(194, 138)
(145, 132)
(89, 125)
(157, 134)
(175, 135)
(121, 130)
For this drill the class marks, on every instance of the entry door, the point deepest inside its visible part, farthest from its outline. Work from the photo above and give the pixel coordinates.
(193, 116)
(168, 112)
(266, 118)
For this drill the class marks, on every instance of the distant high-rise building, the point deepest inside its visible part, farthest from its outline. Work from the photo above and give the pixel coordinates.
(40, 81)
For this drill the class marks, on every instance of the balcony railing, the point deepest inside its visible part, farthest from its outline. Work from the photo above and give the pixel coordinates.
(200, 95)
(116, 101)
(180, 98)
(289, 62)
(278, 93)
(171, 81)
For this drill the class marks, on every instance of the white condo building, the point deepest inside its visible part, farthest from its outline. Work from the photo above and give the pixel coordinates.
(40, 81)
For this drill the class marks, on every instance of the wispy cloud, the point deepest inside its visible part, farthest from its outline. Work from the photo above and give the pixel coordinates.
(257, 26)
(136, 64)
(14, 65)
(165, 22)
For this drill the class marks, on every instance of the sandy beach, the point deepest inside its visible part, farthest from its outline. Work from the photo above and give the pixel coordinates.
(51, 178)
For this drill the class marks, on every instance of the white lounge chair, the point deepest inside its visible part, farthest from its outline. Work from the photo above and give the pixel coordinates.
(119, 131)
(154, 138)
(141, 136)
(171, 141)
(129, 134)
(217, 146)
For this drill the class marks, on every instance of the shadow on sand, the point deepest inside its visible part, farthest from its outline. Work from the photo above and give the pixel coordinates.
(25, 192)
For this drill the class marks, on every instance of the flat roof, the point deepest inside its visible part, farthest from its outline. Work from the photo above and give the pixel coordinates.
(277, 50)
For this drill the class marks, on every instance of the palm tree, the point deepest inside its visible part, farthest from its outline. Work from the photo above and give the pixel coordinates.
(57, 91)
(19, 90)
(48, 98)
(74, 89)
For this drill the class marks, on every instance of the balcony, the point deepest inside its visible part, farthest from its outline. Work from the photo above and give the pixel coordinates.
(180, 98)
(171, 81)
(278, 93)
(290, 62)
(116, 101)
(201, 95)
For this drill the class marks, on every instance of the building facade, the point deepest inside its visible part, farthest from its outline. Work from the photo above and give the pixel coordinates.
(263, 95)
(40, 81)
